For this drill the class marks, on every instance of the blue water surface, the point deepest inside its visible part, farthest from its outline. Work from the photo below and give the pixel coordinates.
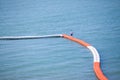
(95, 21)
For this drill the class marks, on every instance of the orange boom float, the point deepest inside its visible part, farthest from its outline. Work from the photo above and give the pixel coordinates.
(96, 56)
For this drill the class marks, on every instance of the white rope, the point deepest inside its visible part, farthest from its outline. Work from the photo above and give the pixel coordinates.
(29, 37)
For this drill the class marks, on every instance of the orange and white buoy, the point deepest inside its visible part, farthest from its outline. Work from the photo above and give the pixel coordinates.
(96, 56)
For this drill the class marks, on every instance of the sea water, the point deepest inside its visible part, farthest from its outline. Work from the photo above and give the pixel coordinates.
(94, 21)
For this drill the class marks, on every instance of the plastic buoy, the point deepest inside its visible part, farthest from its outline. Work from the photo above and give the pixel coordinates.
(96, 57)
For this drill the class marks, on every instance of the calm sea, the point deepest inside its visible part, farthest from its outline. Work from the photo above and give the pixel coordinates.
(95, 21)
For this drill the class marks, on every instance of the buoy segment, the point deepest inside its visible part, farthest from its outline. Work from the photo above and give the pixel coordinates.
(99, 72)
(76, 40)
(95, 53)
